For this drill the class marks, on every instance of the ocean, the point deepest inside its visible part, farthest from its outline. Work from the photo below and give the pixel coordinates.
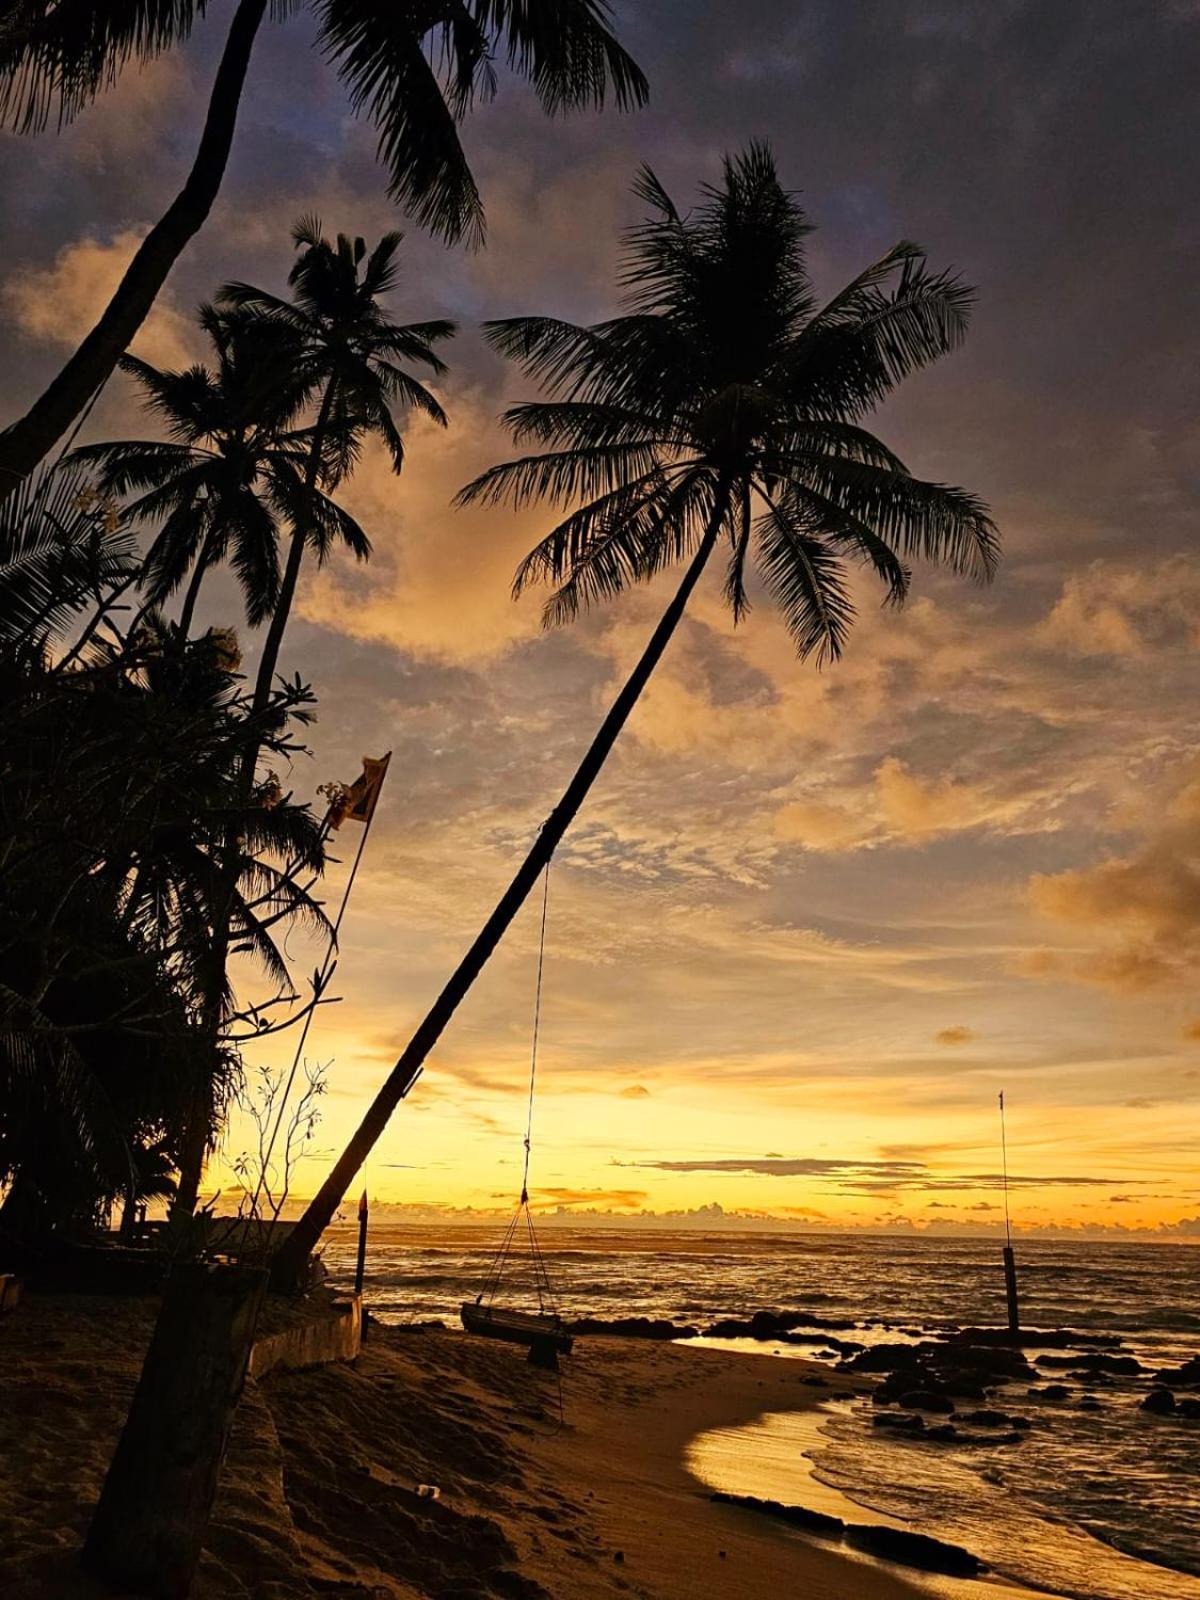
(1098, 1504)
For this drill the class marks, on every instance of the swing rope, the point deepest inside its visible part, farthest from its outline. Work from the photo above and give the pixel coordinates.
(537, 1023)
(541, 1276)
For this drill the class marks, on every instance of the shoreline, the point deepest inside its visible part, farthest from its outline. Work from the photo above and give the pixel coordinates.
(659, 1480)
(319, 1494)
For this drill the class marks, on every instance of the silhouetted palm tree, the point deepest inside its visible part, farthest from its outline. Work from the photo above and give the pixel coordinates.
(341, 344)
(232, 471)
(412, 67)
(347, 349)
(724, 406)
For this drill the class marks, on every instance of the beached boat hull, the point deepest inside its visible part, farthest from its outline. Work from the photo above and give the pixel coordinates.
(515, 1327)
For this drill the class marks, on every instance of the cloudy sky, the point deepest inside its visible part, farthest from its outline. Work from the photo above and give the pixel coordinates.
(810, 923)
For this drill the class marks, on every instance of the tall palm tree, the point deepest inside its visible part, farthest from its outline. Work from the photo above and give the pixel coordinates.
(725, 407)
(342, 344)
(231, 471)
(347, 349)
(412, 67)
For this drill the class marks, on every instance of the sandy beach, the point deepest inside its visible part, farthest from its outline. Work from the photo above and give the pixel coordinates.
(320, 1491)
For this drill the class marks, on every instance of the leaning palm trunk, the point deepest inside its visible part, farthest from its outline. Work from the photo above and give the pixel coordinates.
(288, 1263)
(29, 440)
(194, 1145)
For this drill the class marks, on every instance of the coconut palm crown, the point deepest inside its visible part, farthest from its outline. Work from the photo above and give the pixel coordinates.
(349, 346)
(231, 471)
(726, 404)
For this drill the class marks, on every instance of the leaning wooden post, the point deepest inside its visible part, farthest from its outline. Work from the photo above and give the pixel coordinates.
(360, 1265)
(152, 1516)
(1010, 1264)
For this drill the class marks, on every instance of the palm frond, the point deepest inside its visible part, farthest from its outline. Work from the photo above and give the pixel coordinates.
(561, 476)
(379, 53)
(56, 56)
(61, 549)
(933, 520)
(806, 581)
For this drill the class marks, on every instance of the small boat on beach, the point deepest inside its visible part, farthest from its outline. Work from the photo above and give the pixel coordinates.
(516, 1327)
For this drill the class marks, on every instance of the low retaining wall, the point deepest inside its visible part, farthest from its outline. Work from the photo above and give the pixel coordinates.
(336, 1336)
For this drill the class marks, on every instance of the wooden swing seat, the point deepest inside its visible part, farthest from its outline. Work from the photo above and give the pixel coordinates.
(516, 1327)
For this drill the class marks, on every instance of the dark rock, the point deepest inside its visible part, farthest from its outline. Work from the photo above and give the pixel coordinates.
(1052, 1391)
(1188, 1407)
(926, 1400)
(886, 1358)
(948, 1433)
(1123, 1365)
(773, 1324)
(1160, 1401)
(992, 1419)
(1043, 1339)
(993, 1360)
(963, 1387)
(816, 1381)
(844, 1347)
(635, 1327)
(914, 1550)
(798, 1516)
(1185, 1377)
(898, 1422)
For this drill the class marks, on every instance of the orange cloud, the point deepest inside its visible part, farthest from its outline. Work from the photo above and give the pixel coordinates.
(819, 826)
(955, 1035)
(1143, 908)
(613, 1199)
(439, 584)
(1114, 611)
(60, 304)
(919, 809)
(1191, 1031)
(634, 1091)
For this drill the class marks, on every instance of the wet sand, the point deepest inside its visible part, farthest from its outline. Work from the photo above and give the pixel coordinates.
(320, 1492)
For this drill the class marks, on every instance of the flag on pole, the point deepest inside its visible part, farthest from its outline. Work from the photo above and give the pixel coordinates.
(356, 802)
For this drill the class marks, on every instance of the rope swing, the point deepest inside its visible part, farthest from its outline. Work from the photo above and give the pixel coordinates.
(544, 1331)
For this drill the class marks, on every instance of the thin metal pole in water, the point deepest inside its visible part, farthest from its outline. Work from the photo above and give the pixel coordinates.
(1010, 1264)
(361, 1264)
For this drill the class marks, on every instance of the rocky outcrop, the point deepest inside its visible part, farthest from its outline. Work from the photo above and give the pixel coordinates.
(887, 1544)
(1121, 1366)
(898, 1422)
(1159, 1401)
(1186, 1376)
(817, 1522)
(635, 1327)
(933, 1376)
(772, 1324)
(986, 1418)
(914, 1550)
(1042, 1339)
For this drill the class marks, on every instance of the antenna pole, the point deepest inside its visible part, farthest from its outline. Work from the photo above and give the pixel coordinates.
(1010, 1264)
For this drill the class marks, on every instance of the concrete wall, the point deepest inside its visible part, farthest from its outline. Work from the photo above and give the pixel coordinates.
(335, 1336)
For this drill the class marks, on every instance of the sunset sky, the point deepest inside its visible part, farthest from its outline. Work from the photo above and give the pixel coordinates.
(809, 923)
